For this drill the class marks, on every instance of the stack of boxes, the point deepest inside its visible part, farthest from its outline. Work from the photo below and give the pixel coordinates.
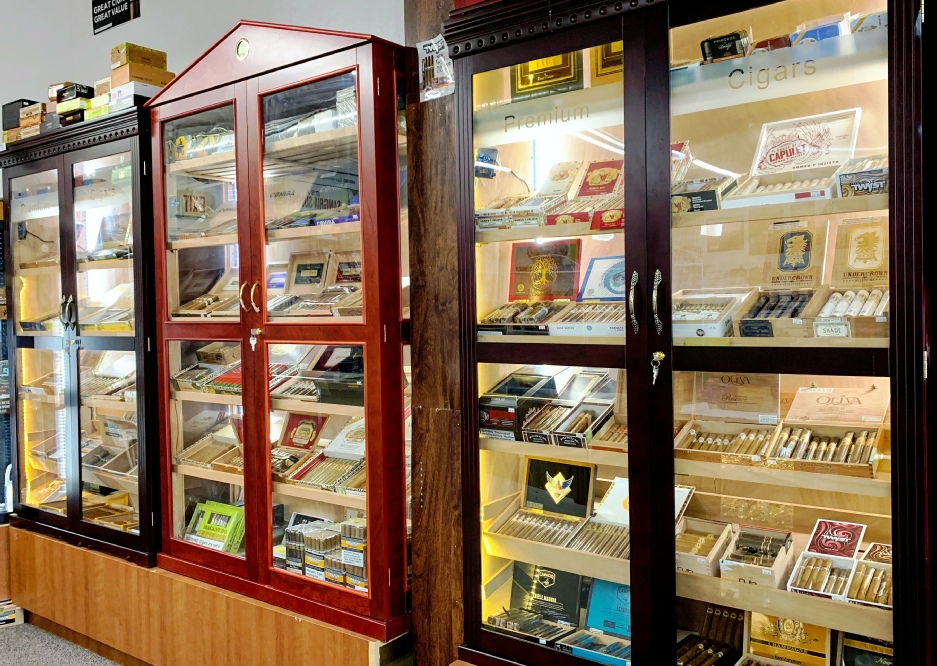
(136, 71)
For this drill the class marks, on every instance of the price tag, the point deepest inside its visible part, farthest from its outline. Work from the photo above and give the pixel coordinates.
(767, 419)
(832, 328)
(881, 320)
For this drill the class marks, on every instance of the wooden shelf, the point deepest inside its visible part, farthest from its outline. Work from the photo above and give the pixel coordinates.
(317, 495)
(203, 241)
(211, 398)
(783, 212)
(573, 561)
(309, 407)
(293, 233)
(109, 405)
(209, 474)
(307, 149)
(57, 400)
(822, 343)
(878, 487)
(94, 333)
(862, 620)
(553, 339)
(531, 233)
(85, 266)
(41, 270)
(595, 456)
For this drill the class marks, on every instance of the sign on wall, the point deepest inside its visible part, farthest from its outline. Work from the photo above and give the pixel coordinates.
(107, 14)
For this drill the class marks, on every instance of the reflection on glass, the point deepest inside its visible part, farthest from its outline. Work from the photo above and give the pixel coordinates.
(311, 201)
(34, 211)
(403, 194)
(408, 442)
(42, 432)
(107, 396)
(207, 435)
(780, 178)
(555, 504)
(103, 195)
(317, 460)
(201, 215)
(549, 198)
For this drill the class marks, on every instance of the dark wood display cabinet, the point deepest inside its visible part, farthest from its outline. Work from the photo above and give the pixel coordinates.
(280, 311)
(692, 291)
(77, 232)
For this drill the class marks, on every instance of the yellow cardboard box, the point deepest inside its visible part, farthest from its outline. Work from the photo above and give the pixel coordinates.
(141, 55)
(140, 73)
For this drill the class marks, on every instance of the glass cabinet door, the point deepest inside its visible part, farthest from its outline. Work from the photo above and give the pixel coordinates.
(312, 211)
(318, 448)
(780, 225)
(37, 255)
(206, 421)
(42, 427)
(550, 274)
(202, 260)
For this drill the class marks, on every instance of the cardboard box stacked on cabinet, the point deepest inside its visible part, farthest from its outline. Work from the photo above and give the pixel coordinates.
(21, 120)
(136, 71)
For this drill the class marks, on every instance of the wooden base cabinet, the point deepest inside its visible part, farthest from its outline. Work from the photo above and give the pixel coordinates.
(280, 316)
(691, 292)
(80, 347)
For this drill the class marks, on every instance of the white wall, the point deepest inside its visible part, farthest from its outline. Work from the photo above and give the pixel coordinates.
(51, 40)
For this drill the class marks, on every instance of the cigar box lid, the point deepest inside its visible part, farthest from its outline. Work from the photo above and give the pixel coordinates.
(795, 253)
(349, 444)
(558, 487)
(545, 271)
(615, 505)
(861, 406)
(823, 142)
(735, 397)
(837, 538)
(878, 552)
(788, 641)
(561, 179)
(565, 592)
(682, 497)
(609, 609)
(577, 383)
(601, 178)
(860, 258)
(605, 280)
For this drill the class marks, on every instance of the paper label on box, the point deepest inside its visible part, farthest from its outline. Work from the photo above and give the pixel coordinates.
(794, 256)
(353, 557)
(789, 640)
(840, 405)
(739, 396)
(832, 328)
(821, 141)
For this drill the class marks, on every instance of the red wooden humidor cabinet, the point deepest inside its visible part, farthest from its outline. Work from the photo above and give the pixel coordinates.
(276, 191)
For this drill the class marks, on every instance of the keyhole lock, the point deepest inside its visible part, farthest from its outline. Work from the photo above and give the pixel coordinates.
(253, 339)
(656, 358)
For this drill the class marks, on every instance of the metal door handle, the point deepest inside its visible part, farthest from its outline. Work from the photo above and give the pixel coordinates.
(69, 309)
(253, 289)
(634, 315)
(241, 296)
(62, 311)
(658, 324)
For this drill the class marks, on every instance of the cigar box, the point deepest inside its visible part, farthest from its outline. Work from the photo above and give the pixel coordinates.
(30, 132)
(11, 112)
(780, 641)
(863, 176)
(285, 462)
(609, 213)
(12, 135)
(101, 101)
(574, 211)
(231, 462)
(504, 410)
(121, 472)
(72, 118)
(35, 114)
(862, 651)
(72, 105)
(687, 445)
(820, 29)
(797, 159)
(47, 455)
(705, 563)
(495, 214)
(132, 53)
(771, 44)
(135, 72)
(350, 442)
(562, 179)
(601, 178)
(73, 91)
(203, 452)
(725, 47)
(681, 159)
(607, 626)
(220, 298)
(102, 87)
(868, 21)
(699, 313)
(867, 469)
(865, 406)
(824, 576)
(532, 211)
(117, 432)
(692, 196)
(774, 575)
(586, 419)
(219, 353)
(518, 622)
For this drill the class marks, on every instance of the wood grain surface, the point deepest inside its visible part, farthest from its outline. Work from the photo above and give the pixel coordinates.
(437, 496)
(4, 562)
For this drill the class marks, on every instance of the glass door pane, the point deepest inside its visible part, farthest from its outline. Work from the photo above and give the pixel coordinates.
(312, 210)
(107, 409)
(207, 444)
(37, 257)
(317, 452)
(550, 272)
(103, 202)
(201, 217)
(780, 239)
(42, 429)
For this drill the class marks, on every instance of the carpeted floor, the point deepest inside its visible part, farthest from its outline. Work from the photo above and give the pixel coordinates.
(26, 645)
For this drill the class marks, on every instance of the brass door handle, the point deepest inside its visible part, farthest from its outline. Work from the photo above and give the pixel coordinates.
(634, 315)
(658, 324)
(62, 311)
(253, 289)
(69, 309)
(241, 296)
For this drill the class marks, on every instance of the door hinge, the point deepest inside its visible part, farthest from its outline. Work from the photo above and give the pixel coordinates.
(925, 364)
(388, 577)
(148, 344)
(385, 332)
(144, 168)
(152, 519)
(379, 87)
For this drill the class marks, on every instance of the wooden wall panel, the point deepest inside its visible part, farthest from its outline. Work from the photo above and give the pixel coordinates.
(4, 562)
(166, 619)
(437, 385)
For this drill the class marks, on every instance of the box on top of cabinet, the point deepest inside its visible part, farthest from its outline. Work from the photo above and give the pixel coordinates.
(11, 112)
(140, 73)
(125, 53)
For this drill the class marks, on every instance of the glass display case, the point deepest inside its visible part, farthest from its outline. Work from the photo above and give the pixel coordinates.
(281, 321)
(79, 345)
(679, 245)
